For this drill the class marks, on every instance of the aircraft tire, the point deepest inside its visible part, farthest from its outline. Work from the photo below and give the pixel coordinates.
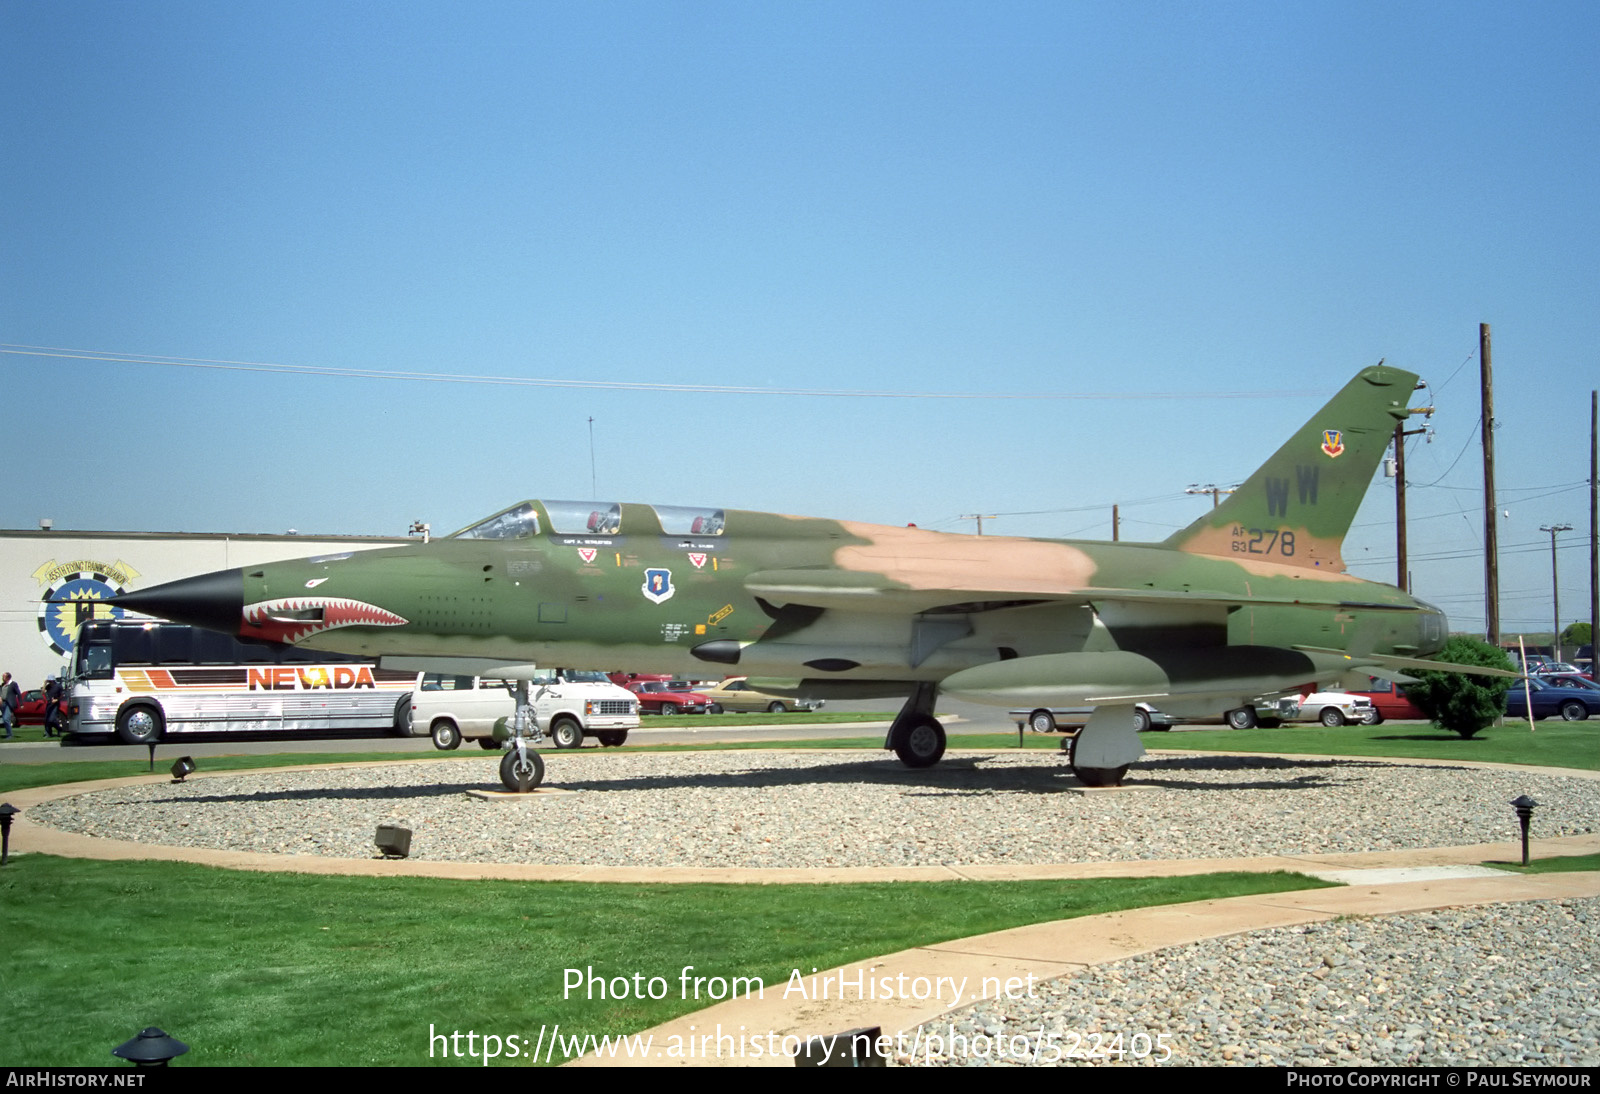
(1242, 718)
(1331, 717)
(921, 742)
(566, 733)
(139, 724)
(1042, 721)
(512, 773)
(1094, 776)
(446, 737)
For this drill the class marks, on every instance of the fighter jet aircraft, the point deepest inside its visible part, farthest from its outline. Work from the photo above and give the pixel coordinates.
(1251, 599)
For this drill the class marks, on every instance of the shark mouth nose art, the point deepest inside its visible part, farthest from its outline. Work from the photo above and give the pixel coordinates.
(294, 619)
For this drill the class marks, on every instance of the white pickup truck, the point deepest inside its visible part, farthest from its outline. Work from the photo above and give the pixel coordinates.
(570, 706)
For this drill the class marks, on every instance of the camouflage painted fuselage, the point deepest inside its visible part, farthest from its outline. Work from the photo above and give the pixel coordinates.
(796, 597)
(1251, 598)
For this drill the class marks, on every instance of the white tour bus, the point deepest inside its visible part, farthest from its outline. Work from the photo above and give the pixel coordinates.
(143, 682)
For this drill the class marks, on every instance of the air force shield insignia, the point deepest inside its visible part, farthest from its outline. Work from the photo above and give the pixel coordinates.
(1333, 442)
(657, 586)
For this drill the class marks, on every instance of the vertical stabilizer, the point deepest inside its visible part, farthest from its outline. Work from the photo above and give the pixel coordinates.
(1296, 509)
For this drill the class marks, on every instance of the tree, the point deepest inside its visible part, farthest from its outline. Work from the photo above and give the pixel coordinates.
(1576, 634)
(1459, 701)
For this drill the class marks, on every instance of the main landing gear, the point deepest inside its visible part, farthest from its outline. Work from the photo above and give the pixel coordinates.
(916, 735)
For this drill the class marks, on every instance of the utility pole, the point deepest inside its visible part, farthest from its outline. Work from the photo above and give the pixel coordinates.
(1555, 584)
(980, 518)
(1209, 488)
(1491, 515)
(1403, 578)
(1115, 525)
(1594, 530)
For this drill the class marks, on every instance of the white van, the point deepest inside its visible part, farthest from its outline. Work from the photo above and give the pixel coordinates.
(570, 706)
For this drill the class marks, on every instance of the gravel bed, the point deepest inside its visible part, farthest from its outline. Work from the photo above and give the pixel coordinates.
(1500, 985)
(818, 808)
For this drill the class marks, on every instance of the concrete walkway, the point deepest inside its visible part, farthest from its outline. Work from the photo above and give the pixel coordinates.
(901, 991)
(740, 1033)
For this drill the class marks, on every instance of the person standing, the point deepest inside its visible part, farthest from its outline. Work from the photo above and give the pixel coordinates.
(52, 707)
(10, 699)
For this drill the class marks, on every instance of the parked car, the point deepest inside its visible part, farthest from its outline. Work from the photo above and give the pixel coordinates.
(1557, 668)
(1332, 708)
(569, 705)
(736, 693)
(1572, 704)
(1389, 700)
(30, 711)
(1572, 680)
(659, 697)
(1050, 719)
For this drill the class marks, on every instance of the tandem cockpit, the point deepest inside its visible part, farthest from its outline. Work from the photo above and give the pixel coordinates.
(586, 518)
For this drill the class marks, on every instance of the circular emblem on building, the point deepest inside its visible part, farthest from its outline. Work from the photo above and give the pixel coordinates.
(71, 601)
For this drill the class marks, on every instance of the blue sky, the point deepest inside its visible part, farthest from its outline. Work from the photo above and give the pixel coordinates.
(1160, 202)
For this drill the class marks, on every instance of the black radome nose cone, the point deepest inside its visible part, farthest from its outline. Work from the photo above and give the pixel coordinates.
(214, 601)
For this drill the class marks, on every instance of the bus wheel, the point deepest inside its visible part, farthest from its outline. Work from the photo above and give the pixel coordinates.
(521, 775)
(446, 736)
(139, 725)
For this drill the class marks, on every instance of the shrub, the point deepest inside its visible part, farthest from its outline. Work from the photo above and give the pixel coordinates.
(1459, 701)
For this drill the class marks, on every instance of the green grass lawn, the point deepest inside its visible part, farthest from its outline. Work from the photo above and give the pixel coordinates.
(292, 969)
(1564, 865)
(257, 969)
(1553, 744)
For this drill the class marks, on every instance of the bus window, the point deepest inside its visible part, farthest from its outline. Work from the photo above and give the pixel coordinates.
(134, 645)
(174, 646)
(215, 648)
(96, 663)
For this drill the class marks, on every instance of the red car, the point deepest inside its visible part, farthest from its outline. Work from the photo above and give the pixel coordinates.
(658, 697)
(1390, 702)
(31, 710)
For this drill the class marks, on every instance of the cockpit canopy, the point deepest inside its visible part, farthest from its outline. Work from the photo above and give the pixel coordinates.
(518, 522)
(592, 518)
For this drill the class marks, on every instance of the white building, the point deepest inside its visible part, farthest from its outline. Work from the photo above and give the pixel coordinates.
(51, 581)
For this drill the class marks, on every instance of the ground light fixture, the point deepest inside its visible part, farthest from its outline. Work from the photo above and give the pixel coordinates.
(1524, 807)
(393, 841)
(7, 811)
(151, 1048)
(151, 745)
(852, 1048)
(182, 767)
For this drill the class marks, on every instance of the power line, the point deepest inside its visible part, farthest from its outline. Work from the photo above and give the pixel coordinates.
(340, 372)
